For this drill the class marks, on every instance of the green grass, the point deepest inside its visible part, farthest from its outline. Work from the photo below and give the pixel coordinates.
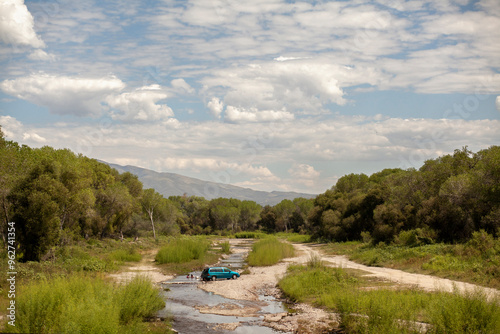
(181, 250)
(294, 237)
(126, 255)
(382, 310)
(85, 304)
(250, 235)
(269, 251)
(477, 261)
(225, 247)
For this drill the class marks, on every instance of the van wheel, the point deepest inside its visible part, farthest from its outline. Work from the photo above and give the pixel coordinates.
(234, 276)
(214, 278)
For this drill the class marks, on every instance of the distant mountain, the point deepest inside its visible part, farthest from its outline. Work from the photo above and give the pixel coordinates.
(170, 184)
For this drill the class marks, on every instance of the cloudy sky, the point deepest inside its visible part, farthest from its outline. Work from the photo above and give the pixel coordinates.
(266, 94)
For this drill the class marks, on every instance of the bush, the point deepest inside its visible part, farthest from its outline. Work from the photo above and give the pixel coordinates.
(269, 251)
(83, 304)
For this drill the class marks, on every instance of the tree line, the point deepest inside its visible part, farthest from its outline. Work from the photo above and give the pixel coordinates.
(56, 197)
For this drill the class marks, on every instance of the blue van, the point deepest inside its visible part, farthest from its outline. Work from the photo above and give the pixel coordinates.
(214, 273)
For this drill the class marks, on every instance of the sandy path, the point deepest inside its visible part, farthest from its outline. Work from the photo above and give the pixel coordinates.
(425, 282)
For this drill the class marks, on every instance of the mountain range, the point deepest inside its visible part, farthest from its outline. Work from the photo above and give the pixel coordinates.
(171, 184)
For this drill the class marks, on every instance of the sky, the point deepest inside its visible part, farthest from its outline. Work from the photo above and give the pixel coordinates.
(270, 95)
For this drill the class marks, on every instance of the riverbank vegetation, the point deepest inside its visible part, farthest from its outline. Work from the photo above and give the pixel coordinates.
(366, 307)
(85, 304)
(475, 261)
(269, 251)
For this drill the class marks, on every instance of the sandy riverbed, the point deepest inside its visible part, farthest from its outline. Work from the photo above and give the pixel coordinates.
(262, 281)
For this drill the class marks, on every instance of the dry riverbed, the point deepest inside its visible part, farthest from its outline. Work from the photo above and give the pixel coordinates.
(262, 281)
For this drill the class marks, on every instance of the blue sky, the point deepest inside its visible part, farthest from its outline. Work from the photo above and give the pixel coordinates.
(270, 95)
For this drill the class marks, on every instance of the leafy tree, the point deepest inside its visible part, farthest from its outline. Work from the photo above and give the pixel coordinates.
(249, 215)
(267, 219)
(37, 201)
(284, 211)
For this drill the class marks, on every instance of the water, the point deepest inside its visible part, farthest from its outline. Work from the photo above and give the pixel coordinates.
(184, 296)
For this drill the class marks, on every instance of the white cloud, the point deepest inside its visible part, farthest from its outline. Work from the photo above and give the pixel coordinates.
(301, 86)
(10, 127)
(17, 25)
(181, 86)
(238, 115)
(497, 103)
(269, 156)
(31, 136)
(303, 171)
(140, 105)
(39, 54)
(216, 107)
(64, 95)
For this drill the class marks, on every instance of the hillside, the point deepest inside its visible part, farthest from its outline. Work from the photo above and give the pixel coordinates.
(171, 184)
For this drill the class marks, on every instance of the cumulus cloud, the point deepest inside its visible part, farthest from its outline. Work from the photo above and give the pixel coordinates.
(216, 107)
(140, 105)
(17, 25)
(64, 95)
(497, 103)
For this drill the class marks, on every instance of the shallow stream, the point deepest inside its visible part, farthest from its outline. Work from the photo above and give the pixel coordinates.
(183, 297)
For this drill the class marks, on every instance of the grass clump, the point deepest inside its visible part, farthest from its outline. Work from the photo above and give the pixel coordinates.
(225, 247)
(84, 304)
(183, 250)
(269, 251)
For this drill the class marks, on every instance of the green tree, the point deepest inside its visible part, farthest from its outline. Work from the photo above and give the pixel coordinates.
(249, 215)
(37, 200)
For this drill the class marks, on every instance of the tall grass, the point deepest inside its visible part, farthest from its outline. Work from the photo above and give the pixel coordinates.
(269, 251)
(377, 310)
(183, 250)
(83, 304)
(126, 255)
(294, 237)
(250, 235)
(225, 247)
